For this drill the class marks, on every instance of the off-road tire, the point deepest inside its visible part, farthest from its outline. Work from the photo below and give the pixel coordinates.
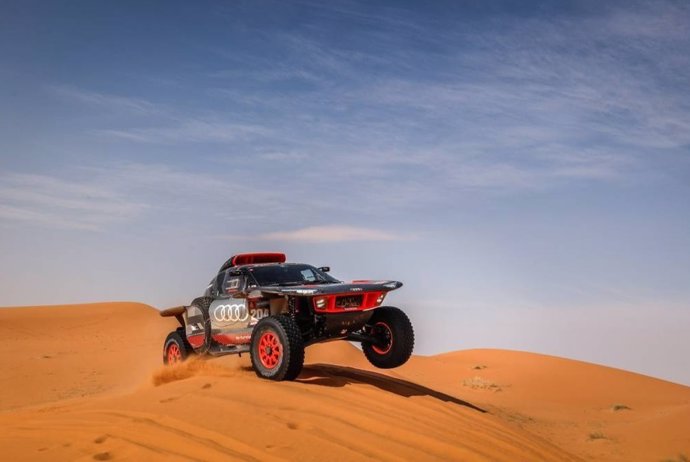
(394, 322)
(176, 345)
(284, 332)
(203, 303)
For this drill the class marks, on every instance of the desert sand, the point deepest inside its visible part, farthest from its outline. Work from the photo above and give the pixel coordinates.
(86, 382)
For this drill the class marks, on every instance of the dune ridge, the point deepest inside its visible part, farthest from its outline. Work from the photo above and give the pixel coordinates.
(85, 382)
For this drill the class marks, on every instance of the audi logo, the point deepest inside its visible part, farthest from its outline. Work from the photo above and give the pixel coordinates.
(230, 313)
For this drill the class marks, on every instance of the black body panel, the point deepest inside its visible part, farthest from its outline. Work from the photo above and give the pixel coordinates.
(336, 288)
(339, 325)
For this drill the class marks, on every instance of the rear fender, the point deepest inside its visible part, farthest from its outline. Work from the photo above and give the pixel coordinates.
(177, 312)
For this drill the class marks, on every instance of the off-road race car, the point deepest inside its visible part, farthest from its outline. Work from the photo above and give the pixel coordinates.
(259, 304)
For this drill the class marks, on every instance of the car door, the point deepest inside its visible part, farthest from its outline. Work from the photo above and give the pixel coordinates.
(228, 312)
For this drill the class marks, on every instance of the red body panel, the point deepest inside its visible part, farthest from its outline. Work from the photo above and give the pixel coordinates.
(196, 340)
(370, 300)
(251, 258)
(241, 338)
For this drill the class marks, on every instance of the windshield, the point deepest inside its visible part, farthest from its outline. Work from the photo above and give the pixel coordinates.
(289, 274)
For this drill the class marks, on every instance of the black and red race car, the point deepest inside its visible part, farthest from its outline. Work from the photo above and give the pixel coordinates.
(271, 309)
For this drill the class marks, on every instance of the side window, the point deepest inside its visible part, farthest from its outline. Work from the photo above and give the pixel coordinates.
(308, 275)
(232, 284)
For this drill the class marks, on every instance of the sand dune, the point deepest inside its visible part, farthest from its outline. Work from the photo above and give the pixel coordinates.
(86, 383)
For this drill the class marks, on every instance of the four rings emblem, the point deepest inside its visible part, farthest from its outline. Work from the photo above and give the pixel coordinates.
(230, 313)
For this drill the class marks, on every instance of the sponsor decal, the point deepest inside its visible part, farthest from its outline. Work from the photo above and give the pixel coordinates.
(237, 312)
(301, 291)
(231, 313)
(258, 314)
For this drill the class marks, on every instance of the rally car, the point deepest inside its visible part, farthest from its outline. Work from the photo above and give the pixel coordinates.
(261, 305)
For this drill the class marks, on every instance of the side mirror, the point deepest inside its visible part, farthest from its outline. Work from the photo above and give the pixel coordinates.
(325, 269)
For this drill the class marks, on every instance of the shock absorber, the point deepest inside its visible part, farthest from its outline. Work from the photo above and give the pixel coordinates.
(292, 308)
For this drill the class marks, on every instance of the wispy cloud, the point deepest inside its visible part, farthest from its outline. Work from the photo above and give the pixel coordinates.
(162, 124)
(55, 202)
(190, 130)
(392, 18)
(332, 233)
(106, 101)
(532, 103)
(95, 198)
(512, 106)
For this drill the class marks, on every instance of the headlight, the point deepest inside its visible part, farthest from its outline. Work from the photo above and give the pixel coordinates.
(380, 299)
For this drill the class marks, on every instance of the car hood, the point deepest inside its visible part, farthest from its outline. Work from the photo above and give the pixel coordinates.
(335, 288)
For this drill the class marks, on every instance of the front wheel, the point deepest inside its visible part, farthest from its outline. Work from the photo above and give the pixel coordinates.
(277, 348)
(394, 336)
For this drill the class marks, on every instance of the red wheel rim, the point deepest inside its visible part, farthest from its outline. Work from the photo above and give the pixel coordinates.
(270, 350)
(387, 334)
(174, 354)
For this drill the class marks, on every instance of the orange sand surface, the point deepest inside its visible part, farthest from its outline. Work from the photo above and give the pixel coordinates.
(86, 382)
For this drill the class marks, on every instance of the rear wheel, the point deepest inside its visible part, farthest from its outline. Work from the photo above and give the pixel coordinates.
(394, 338)
(277, 348)
(176, 348)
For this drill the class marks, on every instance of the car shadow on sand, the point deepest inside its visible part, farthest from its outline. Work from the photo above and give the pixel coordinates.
(338, 376)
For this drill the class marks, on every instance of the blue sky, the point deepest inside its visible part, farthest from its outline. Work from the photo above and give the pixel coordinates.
(523, 167)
